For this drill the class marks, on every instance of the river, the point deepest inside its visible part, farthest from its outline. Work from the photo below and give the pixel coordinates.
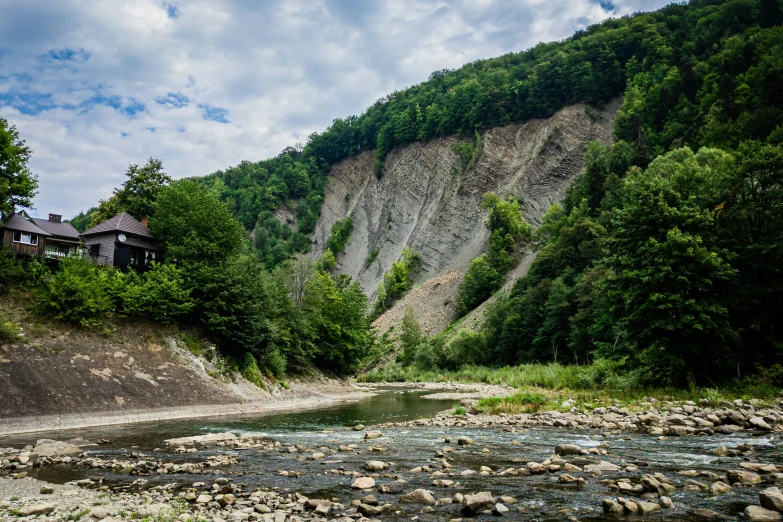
(540, 497)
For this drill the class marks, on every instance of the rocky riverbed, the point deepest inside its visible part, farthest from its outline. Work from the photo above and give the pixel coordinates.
(445, 468)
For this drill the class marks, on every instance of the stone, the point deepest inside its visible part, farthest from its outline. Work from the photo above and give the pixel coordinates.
(358, 427)
(648, 507)
(612, 507)
(418, 496)
(473, 504)
(369, 511)
(567, 479)
(602, 466)
(154, 510)
(771, 498)
(47, 490)
(464, 441)
(374, 465)
(36, 509)
(391, 487)
(719, 488)
(760, 514)
(666, 503)
(373, 435)
(568, 449)
(499, 510)
(742, 476)
(759, 424)
(317, 455)
(203, 499)
(363, 483)
(54, 448)
(322, 509)
(703, 514)
(312, 503)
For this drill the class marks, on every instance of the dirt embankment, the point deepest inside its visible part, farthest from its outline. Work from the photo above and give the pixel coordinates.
(55, 377)
(427, 201)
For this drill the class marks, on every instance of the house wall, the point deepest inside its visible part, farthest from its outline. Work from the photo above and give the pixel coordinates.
(51, 247)
(21, 248)
(107, 247)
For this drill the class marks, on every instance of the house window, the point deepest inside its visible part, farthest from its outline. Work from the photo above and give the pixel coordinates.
(27, 239)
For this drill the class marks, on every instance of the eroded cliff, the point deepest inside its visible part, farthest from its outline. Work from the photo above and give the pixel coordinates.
(428, 202)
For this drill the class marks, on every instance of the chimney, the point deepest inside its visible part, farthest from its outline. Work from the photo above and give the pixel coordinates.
(55, 218)
(144, 220)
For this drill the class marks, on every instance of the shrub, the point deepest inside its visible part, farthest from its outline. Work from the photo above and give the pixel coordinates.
(426, 357)
(249, 370)
(341, 233)
(80, 292)
(466, 348)
(11, 270)
(158, 294)
(8, 331)
(275, 363)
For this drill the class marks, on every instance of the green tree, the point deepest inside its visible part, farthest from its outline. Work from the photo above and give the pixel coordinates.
(137, 195)
(410, 337)
(194, 226)
(17, 184)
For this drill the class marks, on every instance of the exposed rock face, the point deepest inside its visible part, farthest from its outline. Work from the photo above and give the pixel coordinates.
(426, 201)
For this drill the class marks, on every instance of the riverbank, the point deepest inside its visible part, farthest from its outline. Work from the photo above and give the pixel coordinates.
(51, 423)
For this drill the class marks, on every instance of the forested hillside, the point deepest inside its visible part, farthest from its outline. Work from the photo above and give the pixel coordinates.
(663, 254)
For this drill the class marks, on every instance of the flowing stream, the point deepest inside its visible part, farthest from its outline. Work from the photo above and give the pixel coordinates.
(540, 497)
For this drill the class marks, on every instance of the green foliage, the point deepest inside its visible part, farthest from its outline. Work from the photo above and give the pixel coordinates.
(158, 294)
(82, 220)
(465, 348)
(17, 184)
(486, 273)
(275, 362)
(398, 280)
(410, 336)
(524, 402)
(11, 270)
(80, 292)
(248, 367)
(137, 195)
(327, 261)
(371, 257)
(9, 331)
(194, 227)
(341, 233)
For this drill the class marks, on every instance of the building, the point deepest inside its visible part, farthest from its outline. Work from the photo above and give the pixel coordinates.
(29, 236)
(121, 241)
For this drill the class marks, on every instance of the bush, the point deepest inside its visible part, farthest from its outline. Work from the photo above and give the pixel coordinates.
(275, 363)
(341, 233)
(466, 348)
(427, 357)
(480, 282)
(80, 293)
(249, 370)
(11, 270)
(158, 294)
(8, 331)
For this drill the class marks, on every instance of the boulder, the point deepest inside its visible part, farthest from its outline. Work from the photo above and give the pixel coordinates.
(363, 483)
(312, 503)
(55, 448)
(464, 441)
(473, 504)
(648, 507)
(666, 503)
(602, 466)
(760, 514)
(703, 514)
(373, 435)
(759, 424)
(418, 496)
(612, 507)
(568, 449)
(499, 510)
(36, 509)
(771, 498)
(369, 511)
(374, 465)
(391, 487)
(719, 488)
(210, 438)
(742, 476)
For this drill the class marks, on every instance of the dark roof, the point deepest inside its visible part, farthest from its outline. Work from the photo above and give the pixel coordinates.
(18, 222)
(123, 222)
(64, 230)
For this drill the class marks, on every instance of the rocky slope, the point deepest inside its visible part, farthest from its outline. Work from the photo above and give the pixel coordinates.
(427, 201)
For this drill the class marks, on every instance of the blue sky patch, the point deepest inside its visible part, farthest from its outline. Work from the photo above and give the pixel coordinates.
(30, 103)
(171, 10)
(69, 55)
(173, 99)
(217, 114)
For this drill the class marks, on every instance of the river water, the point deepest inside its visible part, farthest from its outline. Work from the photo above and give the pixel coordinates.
(540, 497)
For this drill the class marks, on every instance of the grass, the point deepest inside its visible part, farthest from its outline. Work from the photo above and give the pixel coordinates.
(601, 383)
(459, 410)
(371, 257)
(523, 402)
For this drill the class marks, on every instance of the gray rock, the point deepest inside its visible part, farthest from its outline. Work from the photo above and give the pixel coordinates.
(464, 441)
(363, 483)
(568, 449)
(602, 466)
(703, 514)
(648, 507)
(499, 510)
(472, 504)
(771, 498)
(373, 435)
(612, 507)
(719, 488)
(742, 476)
(665, 503)
(760, 514)
(374, 465)
(47, 490)
(312, 503)
(391, 487)
(369, 511)
(418, 496)
(54, 448)
(759, 423)
(36, 509)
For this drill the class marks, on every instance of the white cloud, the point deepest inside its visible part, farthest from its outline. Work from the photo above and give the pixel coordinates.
(95, 86)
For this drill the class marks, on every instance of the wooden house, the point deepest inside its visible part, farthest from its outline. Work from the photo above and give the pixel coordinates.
(121, 241)
(29, 236)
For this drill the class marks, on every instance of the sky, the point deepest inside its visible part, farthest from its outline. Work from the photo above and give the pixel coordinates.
(96, 85)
